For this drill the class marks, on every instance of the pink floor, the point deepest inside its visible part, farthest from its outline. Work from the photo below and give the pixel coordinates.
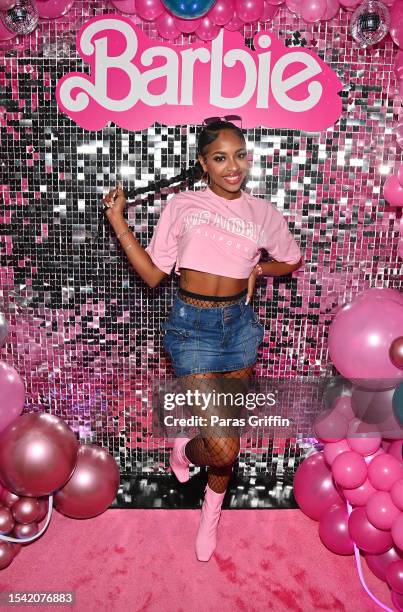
(143, 561)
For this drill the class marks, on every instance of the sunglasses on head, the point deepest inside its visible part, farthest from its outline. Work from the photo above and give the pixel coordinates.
(231, 118)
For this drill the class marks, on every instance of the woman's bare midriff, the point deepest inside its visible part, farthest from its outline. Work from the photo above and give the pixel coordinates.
(205, 283)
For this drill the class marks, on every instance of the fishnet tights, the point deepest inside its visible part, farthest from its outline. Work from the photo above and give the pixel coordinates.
(218, 452)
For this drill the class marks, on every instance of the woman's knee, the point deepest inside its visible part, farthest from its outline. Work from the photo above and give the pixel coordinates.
(224, 451)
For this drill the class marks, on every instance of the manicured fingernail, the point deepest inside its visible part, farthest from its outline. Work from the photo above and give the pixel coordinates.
(247, 300)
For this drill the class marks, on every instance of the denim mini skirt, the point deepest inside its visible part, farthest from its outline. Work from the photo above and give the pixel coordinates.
(216, 339)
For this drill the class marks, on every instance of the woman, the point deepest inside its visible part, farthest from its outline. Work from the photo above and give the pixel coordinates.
(215, 236)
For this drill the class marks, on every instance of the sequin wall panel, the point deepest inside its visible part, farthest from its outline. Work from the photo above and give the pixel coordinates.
(85, 329)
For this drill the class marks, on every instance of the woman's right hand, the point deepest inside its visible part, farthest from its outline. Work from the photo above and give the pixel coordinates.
(116, 202)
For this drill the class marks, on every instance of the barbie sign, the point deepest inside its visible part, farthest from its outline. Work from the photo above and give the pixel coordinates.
(136, 81)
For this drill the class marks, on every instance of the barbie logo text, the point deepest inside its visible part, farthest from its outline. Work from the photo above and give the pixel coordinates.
(136, 81)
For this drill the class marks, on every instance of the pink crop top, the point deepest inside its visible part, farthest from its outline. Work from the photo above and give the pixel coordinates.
(206, 232)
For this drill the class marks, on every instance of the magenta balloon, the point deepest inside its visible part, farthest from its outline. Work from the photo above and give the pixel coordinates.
(334, 449)
(7, 521)
(125, 6)
(38, 453)
(361, 352)
(393, 191)
(381, 511)
(397, 601)
(312, 10)
(5, 5)
(360, 495)
(330, 426)
(349, 470)
(51, 9)
(6, 554)
(333, 530)
(166, 27)
(249, 11)
(396, 493)
(26, 510)
(149, 9)
(314, 489)
(363, 438)
(187, 26)
(378, 564)
(383, 471)
(332, 8)
(397, 531)
(93, 485)
(269, 11)
(365, 535)
(395, 449)
(396, 23)
(234, 24)
(8, 498)
(25, 530)
(12, 395)
(207, 30)
(394, 576)
(396, 352)
(222, 12)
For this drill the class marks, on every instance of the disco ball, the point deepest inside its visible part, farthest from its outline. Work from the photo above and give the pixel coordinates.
(22, 18)
(370, 23)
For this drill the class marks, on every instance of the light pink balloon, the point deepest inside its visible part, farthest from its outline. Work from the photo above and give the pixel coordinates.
(361, 352)
(5, 33)
(333, 530)
(365, 535)
(393, 191)
(349, 470)
(269, 11)
(381, 293)
(207, 30)
(125, 6)
(396, 493)
(332, 8)
(187, 26)
(396, 23)
(222, 12)
(166, 27)
(149, 9)
(395, 449)
(381, 511)
(312, 10)
(360, 495)
(5, 5)
(51, 9)
(330, 426)
(334, 449)
(249, 10)
(383, 471)
(12, 394)
(234, 24)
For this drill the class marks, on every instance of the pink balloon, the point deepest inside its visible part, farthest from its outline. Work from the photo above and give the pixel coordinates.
(396, 23)
(360, 495)
(395, 449)
(380, 293)
(381, 511)
(222, 12)
(294, 6)
(369, 458)
(394, 576)
(166, 27)
(375, 408)
(7, 521)
(349, 3)
(12, 395)
(312, 10)
(397, 531)
(363, 438)
(8, 498)
(51, 9)
(5, 5)
(365, 535)
(314, 489)
(43, 508)
(6, 554)
(396, 493)
(234, 24)
(393, 191)
(187, 26)
(342, 404)
(207, 30)
(383, 471)
(26, 510)
(398, 130)
(378, 564)
(361, 352)
(93, 485)
(269, 11)
(397, 601)
(274, 3)
(125, 6)
(333, 530)
(332, 8)
(330, 426)
(27, 530)
(149, 9)
(349, 470)
(38, 453)
(334, 449)
(249, 10)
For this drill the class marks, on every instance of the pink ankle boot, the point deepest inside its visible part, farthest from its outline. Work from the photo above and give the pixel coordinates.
(206, 538)
(178, 461)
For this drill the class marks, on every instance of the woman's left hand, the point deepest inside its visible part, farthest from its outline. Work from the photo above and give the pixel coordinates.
(252, 282)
